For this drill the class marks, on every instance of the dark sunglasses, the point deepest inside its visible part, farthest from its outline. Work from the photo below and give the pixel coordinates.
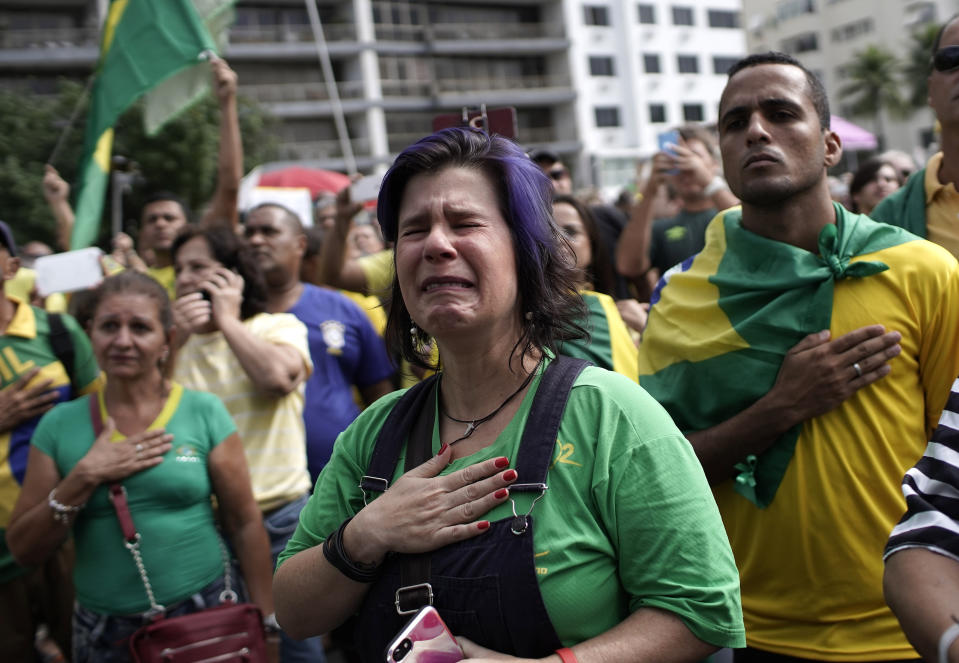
(946, 59)
(557, 173)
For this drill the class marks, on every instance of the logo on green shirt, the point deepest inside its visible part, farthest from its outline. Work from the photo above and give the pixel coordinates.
(676, 233)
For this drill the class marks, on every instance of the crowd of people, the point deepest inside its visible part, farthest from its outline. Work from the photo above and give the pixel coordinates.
(648, 431)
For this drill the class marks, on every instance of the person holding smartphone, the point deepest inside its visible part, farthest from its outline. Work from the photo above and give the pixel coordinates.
(593, 537)
(688, 162)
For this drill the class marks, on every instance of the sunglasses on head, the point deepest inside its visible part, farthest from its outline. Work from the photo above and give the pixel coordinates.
(557, 173)
(946, 59)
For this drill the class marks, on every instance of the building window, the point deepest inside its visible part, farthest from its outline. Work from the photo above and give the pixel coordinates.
(852, 30)
(600, 66)
(688, 64)
(596, 15)
(682, 15)
(722, 64)
(657, 113)
(788, 9)
(692, 112)
(647, 13)
(607, 116)
(651, 63)
(719, 18)
(808, 41)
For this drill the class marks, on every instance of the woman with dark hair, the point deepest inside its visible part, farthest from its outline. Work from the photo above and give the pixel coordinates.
(171, 449)
(545, 509)
(874, 180)
(609, 344)
(257, 363)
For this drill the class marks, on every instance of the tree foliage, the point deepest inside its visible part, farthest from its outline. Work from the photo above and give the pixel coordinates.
(181, 158)
(874, 82)
(916, 67)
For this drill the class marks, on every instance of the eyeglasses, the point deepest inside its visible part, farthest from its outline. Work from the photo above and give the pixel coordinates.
(946, 59)
(557, 173)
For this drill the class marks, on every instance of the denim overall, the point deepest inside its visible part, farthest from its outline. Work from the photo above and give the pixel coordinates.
(485, 588)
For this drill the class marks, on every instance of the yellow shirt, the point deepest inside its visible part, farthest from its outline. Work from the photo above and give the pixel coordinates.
(166, 277)
(21, 285)
(272, 429)
(371, 307)
(942, 208)
(378, 269)
(811, 562)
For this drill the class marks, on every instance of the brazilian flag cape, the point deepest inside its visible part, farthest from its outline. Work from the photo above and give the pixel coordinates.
(723, 320)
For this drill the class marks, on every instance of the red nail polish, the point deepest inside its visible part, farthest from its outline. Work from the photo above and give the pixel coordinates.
(482, 525)
(501, 462)
(501, 493)
(443, 448)
(509, 475)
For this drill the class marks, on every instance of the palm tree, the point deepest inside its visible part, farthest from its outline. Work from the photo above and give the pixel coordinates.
(874, 87)
(915, 70)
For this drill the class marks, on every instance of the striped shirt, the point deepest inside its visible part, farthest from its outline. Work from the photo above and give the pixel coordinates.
(931, 489)
(271, 429)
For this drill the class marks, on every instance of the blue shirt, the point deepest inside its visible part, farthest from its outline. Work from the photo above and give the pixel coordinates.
(346, 351)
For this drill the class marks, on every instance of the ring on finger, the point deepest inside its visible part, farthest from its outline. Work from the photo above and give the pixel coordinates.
(138, 448)
(856, 367)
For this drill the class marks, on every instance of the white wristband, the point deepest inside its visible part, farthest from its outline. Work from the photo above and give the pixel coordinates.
(715, 185)
(945, 641)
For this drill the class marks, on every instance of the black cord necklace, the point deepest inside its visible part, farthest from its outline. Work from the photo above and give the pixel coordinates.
(472, 424)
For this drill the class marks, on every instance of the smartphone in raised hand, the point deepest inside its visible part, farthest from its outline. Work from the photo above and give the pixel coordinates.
(667, 142)
(424, 639)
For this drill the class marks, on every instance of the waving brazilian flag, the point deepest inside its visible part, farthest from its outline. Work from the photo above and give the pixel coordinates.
(144, 42)
(722, 322)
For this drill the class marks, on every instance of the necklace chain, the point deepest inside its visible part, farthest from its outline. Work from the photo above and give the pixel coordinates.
(473, 424)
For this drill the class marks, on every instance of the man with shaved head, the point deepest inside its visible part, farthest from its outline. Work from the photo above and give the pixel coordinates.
(344, 346)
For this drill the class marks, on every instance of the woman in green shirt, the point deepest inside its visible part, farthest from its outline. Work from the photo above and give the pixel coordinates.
(598, 540)
(171, 449)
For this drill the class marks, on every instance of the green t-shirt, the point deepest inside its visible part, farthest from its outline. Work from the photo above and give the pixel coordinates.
(628, 520)
(676, 238)
(170, 505)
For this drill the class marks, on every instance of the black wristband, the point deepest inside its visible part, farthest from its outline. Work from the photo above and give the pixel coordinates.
(336, 555)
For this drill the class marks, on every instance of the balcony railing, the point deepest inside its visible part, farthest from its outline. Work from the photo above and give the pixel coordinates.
(459, 31)
(271, 34)
(49, 38)
(311, 91)
(482, 84)
(319, 150)
(423, 88)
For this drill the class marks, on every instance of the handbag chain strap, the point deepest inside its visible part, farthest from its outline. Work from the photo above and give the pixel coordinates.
(131, 539)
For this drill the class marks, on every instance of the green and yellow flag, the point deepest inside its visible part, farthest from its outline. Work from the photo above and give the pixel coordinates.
(144, 42)
(722, 322)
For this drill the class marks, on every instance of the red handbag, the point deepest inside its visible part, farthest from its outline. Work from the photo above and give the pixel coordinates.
(228, 632)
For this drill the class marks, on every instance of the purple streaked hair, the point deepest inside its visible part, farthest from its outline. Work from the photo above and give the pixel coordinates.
(545, 268)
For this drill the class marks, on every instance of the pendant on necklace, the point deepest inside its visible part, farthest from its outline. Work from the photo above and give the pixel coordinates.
(470, 427)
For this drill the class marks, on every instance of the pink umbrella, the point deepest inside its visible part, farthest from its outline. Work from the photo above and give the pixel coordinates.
(315, 179)
(853, 136)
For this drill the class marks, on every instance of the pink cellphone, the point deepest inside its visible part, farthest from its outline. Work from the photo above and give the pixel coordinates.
(425, 639)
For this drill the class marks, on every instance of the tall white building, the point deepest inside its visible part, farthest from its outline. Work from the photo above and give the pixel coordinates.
(594, 80)
(826, 34)
(640, 68)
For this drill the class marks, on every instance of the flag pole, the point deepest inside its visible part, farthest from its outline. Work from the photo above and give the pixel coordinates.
(73, 119)
(323, 54)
